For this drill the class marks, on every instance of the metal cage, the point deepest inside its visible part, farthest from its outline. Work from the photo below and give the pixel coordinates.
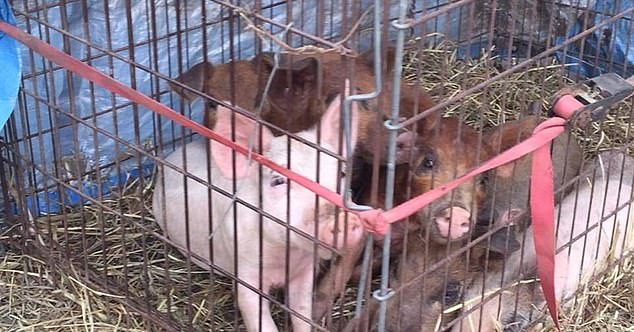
(436, 89)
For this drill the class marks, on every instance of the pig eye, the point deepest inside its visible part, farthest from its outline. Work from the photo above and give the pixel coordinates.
(212, 104)
(428, 163)
(277, 180)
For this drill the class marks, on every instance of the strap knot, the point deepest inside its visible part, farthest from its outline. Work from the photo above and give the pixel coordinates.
(374, 221)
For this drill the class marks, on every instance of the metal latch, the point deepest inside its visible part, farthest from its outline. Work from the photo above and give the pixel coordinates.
(595, 96)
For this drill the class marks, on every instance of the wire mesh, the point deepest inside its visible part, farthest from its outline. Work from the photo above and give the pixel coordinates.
(454, 82)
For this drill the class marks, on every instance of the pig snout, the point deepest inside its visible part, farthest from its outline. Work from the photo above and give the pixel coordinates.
(510, 217)
(453, 223)
(341, 232)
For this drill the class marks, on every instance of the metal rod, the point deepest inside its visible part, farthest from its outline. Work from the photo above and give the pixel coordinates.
(367, 253)
(378, 83)
(406, 23)
(347, 103)
(385, 293)
(238, 9)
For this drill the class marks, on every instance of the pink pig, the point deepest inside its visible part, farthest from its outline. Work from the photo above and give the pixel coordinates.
(256, 248)
(602, 196)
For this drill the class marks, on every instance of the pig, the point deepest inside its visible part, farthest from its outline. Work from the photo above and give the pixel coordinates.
(236, 244)
(418, 309)
(511, 186)
(604, 189)
(508, 186)
(420, 304)
(441, 154)
(443, 226)
(252, 75)
(327, 78)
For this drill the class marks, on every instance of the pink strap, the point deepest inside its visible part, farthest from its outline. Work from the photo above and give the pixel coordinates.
(566, 106)
(543, 222)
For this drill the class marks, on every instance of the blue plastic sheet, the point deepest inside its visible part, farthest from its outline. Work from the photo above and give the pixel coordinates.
(83, 100)
(52, 202)
(10, 64)
(609, 49)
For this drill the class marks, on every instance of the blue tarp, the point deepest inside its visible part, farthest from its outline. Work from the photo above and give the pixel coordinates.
(152, 19)
(609, 49)
(10, 64)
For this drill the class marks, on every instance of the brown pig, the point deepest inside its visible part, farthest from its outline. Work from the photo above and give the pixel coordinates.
(511, 184)
(301, 81)
(420, 304)
(595, 228)
(252, 75)
(300, 88)
(443, 154)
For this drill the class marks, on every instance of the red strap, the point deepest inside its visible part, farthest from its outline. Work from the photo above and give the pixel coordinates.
(566, 106)
(543, 223)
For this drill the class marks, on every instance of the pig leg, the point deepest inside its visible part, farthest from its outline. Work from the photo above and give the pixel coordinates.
(249, 304)
(349, 267)
(300, 299)
(335, 279)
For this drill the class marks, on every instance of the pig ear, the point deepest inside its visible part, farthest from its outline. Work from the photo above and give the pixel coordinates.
(332, 123)
(242, 130)
(301, 67)
(267, 59)
(195, 78)
(303, 78)
(405, 146)
(503, 137)
(302, 70)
